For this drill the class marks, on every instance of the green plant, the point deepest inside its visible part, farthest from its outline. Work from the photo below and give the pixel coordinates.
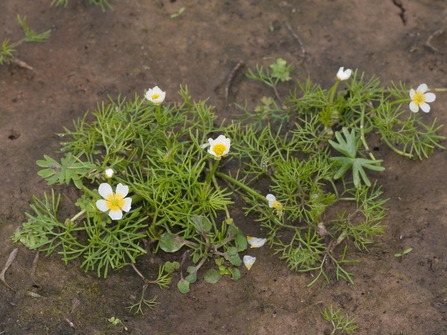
(104, 4)
(403, 253)
(8, 48)
(339, 322)
(283, 160)
(180, 11)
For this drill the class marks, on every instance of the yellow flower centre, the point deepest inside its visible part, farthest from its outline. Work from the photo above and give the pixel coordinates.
(115, 202)
(419, 98)
(219, 149)
(155, 96)
(277, 205)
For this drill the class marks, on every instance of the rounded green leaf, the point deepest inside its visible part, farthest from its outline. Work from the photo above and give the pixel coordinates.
(212, 276)
(170, 243)
(171, 266)
(235, 273)
(183, 286)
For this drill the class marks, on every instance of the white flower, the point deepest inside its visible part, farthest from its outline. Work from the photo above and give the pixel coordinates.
(256, 242)
(419, 99)
(219, 147)
(155, 95)
(109, 173)
(273, 203)
(116, 202)
(343, 74)
(249, 261)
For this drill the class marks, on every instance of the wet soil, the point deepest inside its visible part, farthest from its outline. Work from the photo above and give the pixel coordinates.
(92, 55)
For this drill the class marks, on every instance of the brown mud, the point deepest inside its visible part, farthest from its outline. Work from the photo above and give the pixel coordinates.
(92, 55)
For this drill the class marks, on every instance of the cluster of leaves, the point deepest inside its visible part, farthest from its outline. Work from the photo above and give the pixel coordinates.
(339, 322)
(8, 48)
(157, 151)
(310, 151)
(104, 4)
(293, 148)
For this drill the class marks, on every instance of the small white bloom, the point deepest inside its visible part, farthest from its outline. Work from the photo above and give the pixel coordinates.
(256, 242)
(419, 99)
(116, 202)
(109, 173)
(219, 147)
(249, 261)
(155, 95)
(273, 203)
(343, 74)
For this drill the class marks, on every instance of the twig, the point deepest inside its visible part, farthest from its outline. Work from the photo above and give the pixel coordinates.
(21, 64)
(11, 258)
(230, 79)
(436, 33)
(295, 36)
(139, 273)
(33, 267)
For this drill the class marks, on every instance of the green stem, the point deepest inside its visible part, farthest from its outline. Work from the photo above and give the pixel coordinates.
(401, 101)
(212, 172)
(89, 191)
(241, 185)
(362, 134)
(74, 218)
(333, 90)
(396, 150)
(159, 116)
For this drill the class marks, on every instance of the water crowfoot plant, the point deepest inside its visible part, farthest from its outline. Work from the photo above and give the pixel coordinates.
(301, 164)
(7, 49)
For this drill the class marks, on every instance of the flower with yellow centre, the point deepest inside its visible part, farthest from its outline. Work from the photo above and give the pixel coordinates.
(155, 95)
(219, 147)
(419, 99)
(114, 203)
(256, 242)
(273, 203)
(343, 74)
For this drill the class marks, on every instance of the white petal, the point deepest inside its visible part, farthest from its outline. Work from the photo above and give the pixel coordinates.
(220, 138)
(425, 107)
(256, 242)
(121, 189)
(412, 93)
(127, 204)
(249, 261)
(116, 215)
(348, 73)
(413, 107)
(206, 145)
(271, 199)
(422, 88)
(105, 190)
(429, 97)
(102, 205)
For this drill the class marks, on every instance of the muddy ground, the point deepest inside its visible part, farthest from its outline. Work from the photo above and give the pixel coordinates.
(91, 55)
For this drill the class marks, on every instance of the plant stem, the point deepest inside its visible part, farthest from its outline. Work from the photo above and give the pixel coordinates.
(362, 134)
(78, 215)
(212, 172)
(397, 150)
(159, 115)
(401, 101)
(239, 184)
